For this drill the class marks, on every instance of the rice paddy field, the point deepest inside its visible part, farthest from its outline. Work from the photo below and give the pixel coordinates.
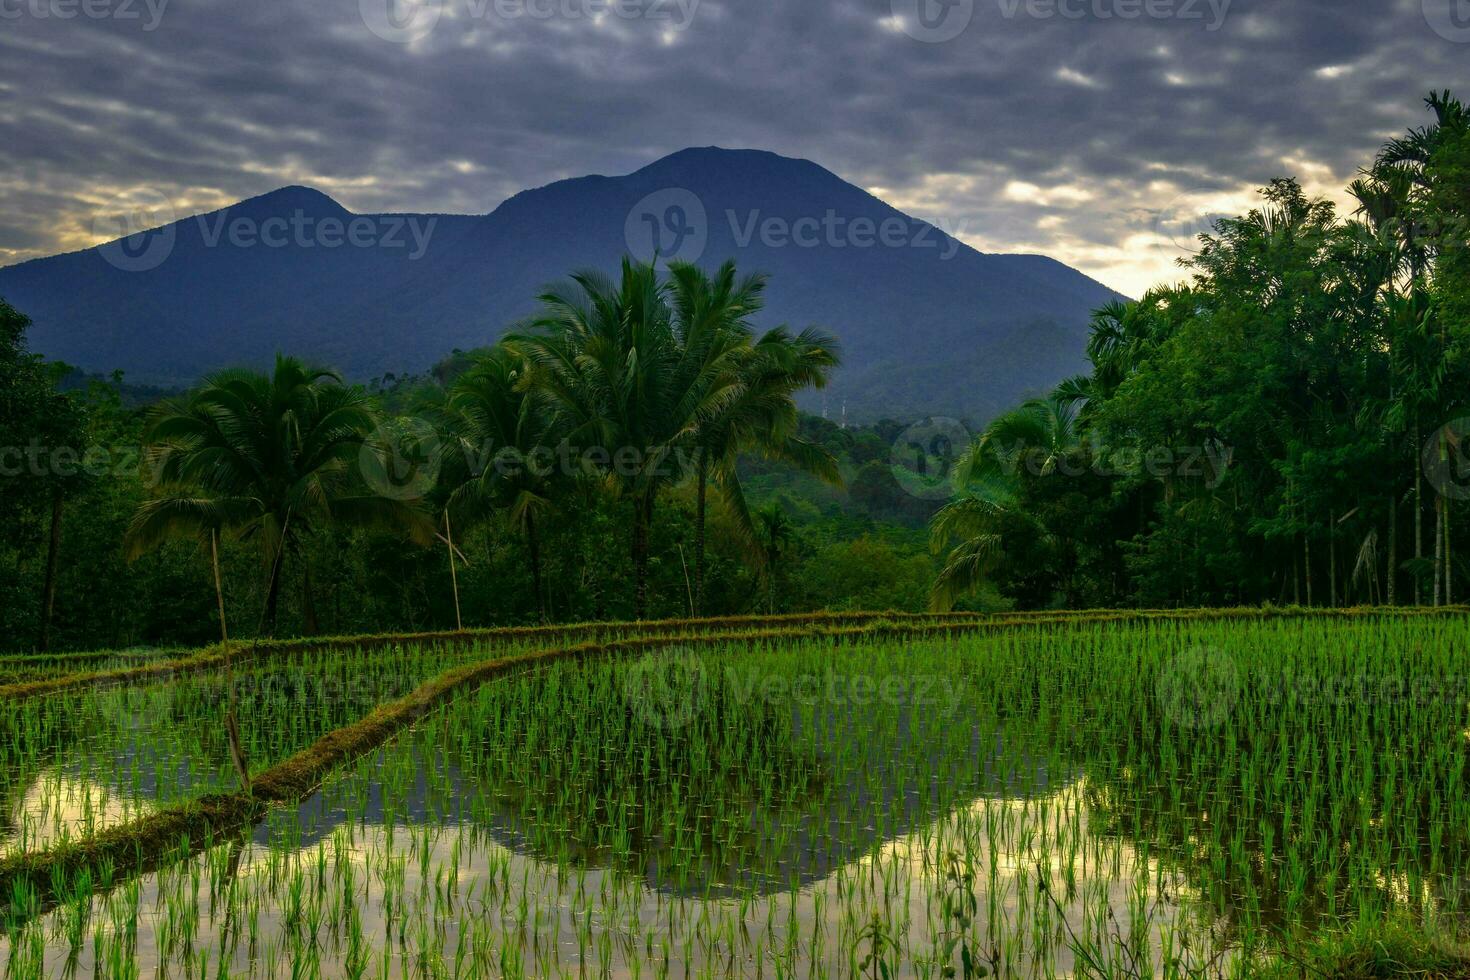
(1091, 795)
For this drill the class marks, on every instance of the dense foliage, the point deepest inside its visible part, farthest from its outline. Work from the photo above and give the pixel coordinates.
(1284, 427)
(332, 507)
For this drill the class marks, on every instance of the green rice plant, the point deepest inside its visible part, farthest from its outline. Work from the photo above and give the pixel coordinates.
(1155, 795)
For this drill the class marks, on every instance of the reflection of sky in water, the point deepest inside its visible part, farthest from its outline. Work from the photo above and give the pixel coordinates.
(57, 806)
(98, 759)
(100, 785)
(470, 890)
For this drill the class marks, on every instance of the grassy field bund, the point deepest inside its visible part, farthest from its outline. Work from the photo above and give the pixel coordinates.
(1145, 793)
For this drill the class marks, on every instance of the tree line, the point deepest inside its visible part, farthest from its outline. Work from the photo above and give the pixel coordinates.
(1284, 427)
(620, 393)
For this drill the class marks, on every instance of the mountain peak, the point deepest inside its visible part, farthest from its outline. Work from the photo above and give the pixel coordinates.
(292, 197)
(927, 326)
(746, 162)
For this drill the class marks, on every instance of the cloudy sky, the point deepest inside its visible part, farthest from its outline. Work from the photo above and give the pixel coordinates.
(1101, 132)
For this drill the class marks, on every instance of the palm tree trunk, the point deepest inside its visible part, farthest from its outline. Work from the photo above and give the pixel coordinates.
(1393, 550)
(453, 575)
(219, 589)
(1307, 558)
(53, 558)
(1296, 577)
(771, 585)
(533, 542)
(699, 517)
(1418, 518)
(642, 517)
(1438, 543)
(1332, 558)
(272, 597)
(1448, 568)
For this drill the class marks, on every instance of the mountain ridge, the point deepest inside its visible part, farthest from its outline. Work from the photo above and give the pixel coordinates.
(972, 331)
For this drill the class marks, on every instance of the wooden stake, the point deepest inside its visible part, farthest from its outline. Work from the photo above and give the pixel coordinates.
(453, 575)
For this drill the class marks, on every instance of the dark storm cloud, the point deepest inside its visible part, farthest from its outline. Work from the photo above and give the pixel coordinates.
(1065, 126)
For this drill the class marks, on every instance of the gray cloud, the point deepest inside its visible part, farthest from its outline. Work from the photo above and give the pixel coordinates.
(1065, 127)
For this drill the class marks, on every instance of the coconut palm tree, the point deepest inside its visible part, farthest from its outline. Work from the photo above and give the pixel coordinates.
(267, 458)
(503, 438)
(1038, 435)
(761, 415)
(620, 378)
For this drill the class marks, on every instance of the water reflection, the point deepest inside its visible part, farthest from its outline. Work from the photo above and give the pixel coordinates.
(454, 900)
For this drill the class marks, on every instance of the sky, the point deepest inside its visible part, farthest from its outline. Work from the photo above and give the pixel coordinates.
(1104, 133)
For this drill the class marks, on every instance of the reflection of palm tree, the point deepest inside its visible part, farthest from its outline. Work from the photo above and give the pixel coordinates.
(667, 814)
(795, 818)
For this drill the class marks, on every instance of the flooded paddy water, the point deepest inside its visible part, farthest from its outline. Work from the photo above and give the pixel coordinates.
(1159, 799)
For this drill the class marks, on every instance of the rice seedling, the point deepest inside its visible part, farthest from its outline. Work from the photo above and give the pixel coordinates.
(1165, 796)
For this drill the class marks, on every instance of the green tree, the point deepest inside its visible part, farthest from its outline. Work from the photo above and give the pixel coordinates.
(1041, 438)
(503, 448)
(625, 383)
(269, 459)
(759, 414)
(42, 431)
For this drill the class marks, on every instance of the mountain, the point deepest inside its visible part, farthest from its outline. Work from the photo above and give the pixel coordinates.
(928, 325)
